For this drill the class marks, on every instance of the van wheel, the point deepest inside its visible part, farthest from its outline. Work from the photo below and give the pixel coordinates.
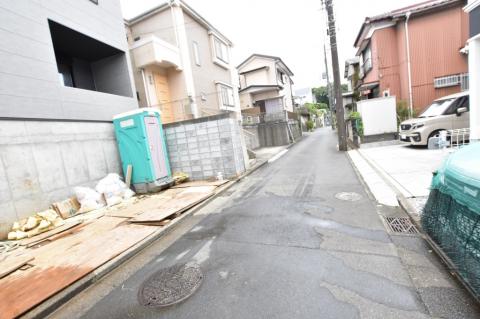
(436, 133)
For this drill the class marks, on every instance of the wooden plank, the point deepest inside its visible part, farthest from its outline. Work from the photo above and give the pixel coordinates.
(66, 260)
(67, 232)
(143, 205)
(40, 237)
(128, 177)
(11, 264)
(201, 183)
(185, 199)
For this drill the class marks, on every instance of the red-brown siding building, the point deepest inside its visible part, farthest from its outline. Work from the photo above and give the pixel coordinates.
(437, 35)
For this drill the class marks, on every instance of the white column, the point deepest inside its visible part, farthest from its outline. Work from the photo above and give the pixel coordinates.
(474, 74)
(183, 45)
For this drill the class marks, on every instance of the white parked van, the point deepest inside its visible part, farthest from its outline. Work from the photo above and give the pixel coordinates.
(447, 113)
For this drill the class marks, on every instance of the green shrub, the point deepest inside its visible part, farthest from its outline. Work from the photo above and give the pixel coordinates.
(403, 111)
(310, 125)
(356, 118)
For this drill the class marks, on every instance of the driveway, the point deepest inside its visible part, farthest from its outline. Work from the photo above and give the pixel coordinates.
(409, 167)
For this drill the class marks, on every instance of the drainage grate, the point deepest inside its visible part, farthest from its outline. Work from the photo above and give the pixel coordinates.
(349, 196)
(170, 285)
(400, 225)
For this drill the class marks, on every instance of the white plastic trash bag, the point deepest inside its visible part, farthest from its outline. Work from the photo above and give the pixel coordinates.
(88, 198)
(113, 189)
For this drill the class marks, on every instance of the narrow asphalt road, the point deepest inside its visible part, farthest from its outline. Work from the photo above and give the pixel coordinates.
(278, 245)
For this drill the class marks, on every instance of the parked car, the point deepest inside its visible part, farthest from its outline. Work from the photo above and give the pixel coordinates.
(450, 112)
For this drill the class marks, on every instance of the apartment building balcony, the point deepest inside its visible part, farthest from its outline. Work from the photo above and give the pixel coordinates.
(151, 50)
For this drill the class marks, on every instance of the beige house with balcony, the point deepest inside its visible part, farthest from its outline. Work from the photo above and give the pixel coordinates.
(266, 83)
(181, 63)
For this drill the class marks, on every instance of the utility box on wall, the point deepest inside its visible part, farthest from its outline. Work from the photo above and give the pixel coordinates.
(141, 144)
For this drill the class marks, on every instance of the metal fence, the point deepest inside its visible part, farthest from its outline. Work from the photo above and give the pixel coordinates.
(452, 139)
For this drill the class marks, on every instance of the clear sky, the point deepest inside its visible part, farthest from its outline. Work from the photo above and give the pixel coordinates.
(293, 30)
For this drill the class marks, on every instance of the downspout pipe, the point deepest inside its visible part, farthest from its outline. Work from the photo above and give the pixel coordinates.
(409, 69)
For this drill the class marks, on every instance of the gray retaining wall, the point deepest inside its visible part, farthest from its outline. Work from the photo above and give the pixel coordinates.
(41, 161)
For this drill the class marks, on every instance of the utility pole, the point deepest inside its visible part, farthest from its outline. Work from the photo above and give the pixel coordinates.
(329, 91)
(342, 136)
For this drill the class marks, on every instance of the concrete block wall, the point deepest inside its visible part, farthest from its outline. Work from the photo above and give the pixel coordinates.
(250, 133)
(271, 133)
(295, 129)
(205, 146)
(41, 162)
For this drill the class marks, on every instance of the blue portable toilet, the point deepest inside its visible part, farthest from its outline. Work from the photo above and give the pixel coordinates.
(141, 144)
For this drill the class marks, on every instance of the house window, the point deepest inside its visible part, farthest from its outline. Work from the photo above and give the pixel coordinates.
(86, 63)
(226, 95)
(221, 50)
(281, 77)
(367, 60)
(196, 53)
(451, 80)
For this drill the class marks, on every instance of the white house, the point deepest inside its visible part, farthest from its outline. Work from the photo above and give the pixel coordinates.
(266, 82)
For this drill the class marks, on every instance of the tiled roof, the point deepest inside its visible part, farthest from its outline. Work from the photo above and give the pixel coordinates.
(419, 8)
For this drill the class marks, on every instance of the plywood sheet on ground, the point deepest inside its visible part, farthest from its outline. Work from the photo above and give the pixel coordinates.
(141, 205)
(184, 199)
(201, 183)
(43, 236)
(64, 261)
(11, 264)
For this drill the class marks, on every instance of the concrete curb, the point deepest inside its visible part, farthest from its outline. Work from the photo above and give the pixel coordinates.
(56, 301)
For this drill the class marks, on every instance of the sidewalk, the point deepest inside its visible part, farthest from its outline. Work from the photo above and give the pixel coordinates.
(398, 171)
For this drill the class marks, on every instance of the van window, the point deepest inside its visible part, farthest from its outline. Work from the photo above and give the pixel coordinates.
(437, 108)
(460, 102)
(466, 102)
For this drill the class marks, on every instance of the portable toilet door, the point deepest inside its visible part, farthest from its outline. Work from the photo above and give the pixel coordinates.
(155, 144)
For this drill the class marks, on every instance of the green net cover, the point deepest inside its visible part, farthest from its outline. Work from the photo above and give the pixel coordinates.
(452, 214)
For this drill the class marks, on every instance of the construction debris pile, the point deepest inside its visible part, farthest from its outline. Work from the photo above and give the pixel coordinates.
(109, 191)
(36, 224)
(53, 249)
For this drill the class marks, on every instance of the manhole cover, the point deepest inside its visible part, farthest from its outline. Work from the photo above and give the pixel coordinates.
(400, 225)
(349, 196)
(170, 285)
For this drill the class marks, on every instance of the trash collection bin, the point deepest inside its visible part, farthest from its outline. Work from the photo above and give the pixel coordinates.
(452, 214)
(141, 144)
